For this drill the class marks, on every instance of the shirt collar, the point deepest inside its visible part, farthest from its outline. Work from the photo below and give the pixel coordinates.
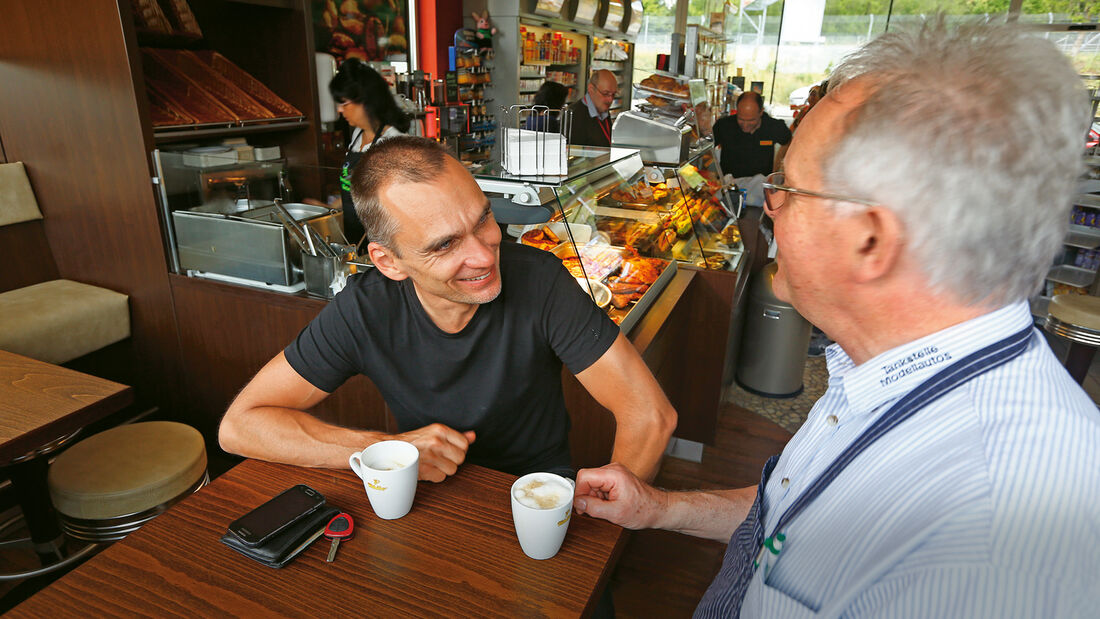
(592, 108)
(899, 370)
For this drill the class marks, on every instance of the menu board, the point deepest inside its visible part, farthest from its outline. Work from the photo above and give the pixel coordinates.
(586, 11)
(549, 8)
(615, 12)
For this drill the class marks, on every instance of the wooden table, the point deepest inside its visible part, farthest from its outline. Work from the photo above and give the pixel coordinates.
(454, 554)
(39, 403)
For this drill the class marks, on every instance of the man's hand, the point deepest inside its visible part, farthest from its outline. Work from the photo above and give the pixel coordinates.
(615, 494)
(442, 449)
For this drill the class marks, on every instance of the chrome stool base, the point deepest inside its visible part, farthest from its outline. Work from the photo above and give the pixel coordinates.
(114, 529)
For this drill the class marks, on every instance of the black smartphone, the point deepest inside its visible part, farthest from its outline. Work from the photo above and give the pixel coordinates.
(258, 525)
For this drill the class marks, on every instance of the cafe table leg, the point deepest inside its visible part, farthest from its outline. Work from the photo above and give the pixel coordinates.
(28, 478)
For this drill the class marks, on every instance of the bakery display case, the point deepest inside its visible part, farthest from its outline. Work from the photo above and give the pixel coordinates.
(622, 224)
(632, 279)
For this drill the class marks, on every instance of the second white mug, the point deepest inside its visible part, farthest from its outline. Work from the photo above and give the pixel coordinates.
(542, 504)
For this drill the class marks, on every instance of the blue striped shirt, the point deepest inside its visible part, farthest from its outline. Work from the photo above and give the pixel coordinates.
(984, 504)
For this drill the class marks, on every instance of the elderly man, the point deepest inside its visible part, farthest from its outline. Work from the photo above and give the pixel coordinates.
(950, 468)
(749, 138)
(464, 336)
(591, 115)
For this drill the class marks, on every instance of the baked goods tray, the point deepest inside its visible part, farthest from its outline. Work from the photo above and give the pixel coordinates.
(662, 93)
(630, 316)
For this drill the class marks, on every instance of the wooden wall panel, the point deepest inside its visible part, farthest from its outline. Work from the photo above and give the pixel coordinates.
(69, 113)
(227, 333)
(26, 256)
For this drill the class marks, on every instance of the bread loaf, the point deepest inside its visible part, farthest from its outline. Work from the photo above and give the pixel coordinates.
(181, 92)
(247, 83)
(203, 76)
(163, 114)
(179, 12)
(149, 16)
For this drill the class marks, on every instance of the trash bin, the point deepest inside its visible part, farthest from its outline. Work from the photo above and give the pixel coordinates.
(774, 342)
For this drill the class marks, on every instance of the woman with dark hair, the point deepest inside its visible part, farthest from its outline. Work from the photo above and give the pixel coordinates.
(364, 99)
(551, 95)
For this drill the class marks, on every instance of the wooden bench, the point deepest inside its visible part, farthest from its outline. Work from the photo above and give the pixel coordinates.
(41, 315)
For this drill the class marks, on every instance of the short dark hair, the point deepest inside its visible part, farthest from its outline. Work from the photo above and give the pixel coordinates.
(552, 95)
(358, 83)
(751, 95)
(402, 158)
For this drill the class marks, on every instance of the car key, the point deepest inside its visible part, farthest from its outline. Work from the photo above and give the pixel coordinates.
(337, 529)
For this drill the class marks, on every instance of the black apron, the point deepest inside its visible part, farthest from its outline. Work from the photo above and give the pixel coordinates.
(748, 547)
(353, 227)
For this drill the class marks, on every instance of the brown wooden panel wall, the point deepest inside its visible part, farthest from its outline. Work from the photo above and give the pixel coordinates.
(25, 255)
(69, 113)
(227, 333)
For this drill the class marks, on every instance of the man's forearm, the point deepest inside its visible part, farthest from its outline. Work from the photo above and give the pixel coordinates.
(291, 436)
(710, 514)
(640, 444)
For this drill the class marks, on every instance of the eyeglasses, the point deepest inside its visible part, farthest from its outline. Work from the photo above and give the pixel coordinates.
(773, 201)
(341, 105)
(608, 94)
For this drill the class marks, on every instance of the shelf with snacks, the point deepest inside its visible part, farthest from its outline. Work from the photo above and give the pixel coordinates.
(473, 74)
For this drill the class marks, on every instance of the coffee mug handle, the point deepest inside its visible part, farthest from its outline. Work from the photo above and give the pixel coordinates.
(356, 463)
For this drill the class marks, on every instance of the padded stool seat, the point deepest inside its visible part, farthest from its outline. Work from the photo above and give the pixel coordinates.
(60, 320)
(108, 485)
(1076, 318)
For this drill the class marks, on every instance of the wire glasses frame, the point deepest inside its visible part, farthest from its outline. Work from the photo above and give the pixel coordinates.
(773, 185)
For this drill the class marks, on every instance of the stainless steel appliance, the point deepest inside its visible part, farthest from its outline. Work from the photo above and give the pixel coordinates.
(253, 244)
(662, 140)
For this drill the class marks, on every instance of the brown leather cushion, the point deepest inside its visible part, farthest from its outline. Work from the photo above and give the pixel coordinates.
(1077, 310)
(17, 203)
(127, 470)
(60, 320)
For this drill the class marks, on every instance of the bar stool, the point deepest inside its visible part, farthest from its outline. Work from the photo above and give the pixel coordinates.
(110, 484)
(1076, 318)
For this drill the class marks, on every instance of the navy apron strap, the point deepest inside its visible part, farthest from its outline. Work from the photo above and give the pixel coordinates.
(725, 595)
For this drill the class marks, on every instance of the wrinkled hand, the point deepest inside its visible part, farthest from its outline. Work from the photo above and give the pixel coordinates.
(442, 449)
(615, 494)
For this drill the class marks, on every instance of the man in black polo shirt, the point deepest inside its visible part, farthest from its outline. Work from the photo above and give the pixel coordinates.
(748, 139)
(464, 336)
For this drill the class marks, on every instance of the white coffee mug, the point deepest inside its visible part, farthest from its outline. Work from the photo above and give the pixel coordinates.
(389, 472)
(542, 504)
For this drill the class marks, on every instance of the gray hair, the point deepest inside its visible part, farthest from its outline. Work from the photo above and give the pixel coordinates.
(980, 171)
(402, 158)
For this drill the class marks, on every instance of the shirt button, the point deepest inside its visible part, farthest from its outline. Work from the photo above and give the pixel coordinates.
(785, 482)
(832, 420)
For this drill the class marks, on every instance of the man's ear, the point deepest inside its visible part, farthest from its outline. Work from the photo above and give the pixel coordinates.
(383, 260)
(879, 241)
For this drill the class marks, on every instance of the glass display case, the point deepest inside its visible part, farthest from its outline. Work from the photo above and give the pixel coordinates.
(619, 224)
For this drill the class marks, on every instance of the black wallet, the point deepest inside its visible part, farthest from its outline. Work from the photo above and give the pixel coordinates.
(286, 544)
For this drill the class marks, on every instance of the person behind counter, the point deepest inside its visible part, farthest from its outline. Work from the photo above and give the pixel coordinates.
(364, 99)
(591, 113)
(748, 138)
(551, 95)
(950, 468)
(464, 336)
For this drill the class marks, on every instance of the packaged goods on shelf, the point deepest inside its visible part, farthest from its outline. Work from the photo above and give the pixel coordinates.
(565, 78)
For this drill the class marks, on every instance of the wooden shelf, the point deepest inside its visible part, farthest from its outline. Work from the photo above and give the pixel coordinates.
(183, 134)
